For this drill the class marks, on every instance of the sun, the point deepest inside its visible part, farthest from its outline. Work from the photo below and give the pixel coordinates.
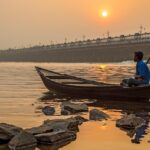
(104, 13)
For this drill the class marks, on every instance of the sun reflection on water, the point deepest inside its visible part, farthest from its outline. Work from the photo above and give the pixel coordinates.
(102, 66)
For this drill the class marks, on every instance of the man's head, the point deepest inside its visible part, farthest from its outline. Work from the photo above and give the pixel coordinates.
(138, 56)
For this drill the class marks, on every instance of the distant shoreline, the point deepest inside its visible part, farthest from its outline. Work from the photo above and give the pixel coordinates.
(109, 62)
(114, 54)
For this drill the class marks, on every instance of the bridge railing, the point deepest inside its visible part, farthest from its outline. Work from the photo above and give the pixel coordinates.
(121, 40)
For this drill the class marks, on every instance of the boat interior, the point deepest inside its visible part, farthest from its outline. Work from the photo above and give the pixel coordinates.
(71, 80)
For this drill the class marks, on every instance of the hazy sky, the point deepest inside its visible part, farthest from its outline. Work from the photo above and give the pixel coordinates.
(28, 22)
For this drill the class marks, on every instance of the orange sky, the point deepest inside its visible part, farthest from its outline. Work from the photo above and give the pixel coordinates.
(28, 22)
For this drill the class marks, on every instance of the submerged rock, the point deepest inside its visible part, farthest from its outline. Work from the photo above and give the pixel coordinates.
(68, 108)
(4, 147)
(39, 130)
(48, 110)
(65, 112)
(58, 131)
(7, 132)
(23, 140)
(98, 115)
(58, 124)
(135, 127)
(70, 124)
(80, 119)
(56, 137)
(130, 122)
(56, 146)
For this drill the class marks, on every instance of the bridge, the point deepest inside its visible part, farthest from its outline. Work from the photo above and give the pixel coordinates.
(137, 38)
(111, 49)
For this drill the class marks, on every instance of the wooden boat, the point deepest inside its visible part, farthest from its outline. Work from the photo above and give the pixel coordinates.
(82, 88)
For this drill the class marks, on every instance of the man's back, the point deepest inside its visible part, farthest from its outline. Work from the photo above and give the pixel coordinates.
(143, 71)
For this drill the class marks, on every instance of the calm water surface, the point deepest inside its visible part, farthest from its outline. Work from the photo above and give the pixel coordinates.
(21, 88)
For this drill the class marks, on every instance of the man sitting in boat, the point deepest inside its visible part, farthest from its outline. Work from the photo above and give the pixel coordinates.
(142, 76)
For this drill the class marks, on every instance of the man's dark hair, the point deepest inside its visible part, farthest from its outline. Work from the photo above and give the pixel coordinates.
(139, 54)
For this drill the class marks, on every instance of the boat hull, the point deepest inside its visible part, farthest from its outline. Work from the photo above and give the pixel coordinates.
(115, 92)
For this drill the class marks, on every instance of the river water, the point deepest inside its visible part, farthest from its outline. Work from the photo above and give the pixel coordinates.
(21, 88)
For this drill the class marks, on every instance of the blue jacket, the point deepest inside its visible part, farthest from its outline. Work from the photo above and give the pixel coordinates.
(143, 71)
